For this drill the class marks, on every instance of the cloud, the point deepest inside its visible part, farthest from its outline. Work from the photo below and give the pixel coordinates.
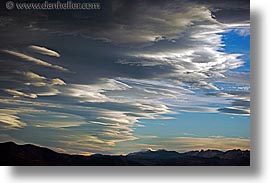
(36, 88)
(34, 79)
(235, 110)
(199, 109)
(183, 144)
(10, 120)
(16, 93)
(57, 81)
(78, 120)
(243, 31)
(5, 138)
(154, 23)
(146, 22)
(197, 60)
(110, 125)
(239, 102)
(32, 75)
(95, 92)
(221, 143)
(34, 60)
(44, 51)
(59, 124)
(19, 80)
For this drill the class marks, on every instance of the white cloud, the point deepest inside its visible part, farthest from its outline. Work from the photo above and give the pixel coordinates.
(44, 51)
(11, 120)
(16, 93)
(57, 81)
(34, 60)
(199, 109)
(243, 31)
(32, 75)
(95, 92)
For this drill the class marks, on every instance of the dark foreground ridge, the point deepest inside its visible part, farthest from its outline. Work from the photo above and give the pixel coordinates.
(16, 155)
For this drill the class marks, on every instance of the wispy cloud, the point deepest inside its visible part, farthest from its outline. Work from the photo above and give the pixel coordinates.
(11, 120)
(44, 51)
(16, 93)
(222, 143)
(183, 144)
(34, 60)
(95, 92)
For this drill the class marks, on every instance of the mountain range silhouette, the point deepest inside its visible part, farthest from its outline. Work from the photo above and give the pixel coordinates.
(12, 154)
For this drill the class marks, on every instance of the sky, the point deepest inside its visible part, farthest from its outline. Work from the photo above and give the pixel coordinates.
(132, 76)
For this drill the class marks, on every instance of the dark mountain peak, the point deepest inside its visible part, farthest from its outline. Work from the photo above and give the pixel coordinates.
(97, 155)
(10, 143)
(209, 153)
(236, 153)
(153, 153)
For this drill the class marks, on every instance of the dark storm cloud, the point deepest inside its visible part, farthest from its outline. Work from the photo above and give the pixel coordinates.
(234, 11)
(146, 22)
(130, 22)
